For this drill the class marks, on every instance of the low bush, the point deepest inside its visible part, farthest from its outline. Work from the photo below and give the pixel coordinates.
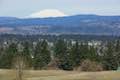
(88, 65)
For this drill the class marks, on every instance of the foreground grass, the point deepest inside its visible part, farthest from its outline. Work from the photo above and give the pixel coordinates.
(60, 75)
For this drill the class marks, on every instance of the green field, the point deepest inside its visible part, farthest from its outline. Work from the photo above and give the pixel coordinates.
(60, 75)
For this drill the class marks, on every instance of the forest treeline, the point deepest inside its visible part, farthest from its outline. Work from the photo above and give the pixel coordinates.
(61, 54)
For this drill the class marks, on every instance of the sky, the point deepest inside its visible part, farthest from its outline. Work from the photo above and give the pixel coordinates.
(23, 8)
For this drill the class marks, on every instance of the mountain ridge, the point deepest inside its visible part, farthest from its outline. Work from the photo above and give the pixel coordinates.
(81, 24)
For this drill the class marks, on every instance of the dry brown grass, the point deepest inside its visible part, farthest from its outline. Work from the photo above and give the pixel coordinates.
(61, 75)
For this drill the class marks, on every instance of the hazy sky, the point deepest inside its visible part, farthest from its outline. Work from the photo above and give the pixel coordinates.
(22, 8)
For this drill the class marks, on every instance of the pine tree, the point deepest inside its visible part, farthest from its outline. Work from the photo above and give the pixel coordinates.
(6, 59)
(26, 54)
(76, 54)
(117, 47)
(92, 55)
(42, 55)
(63, 55)
(84, 50)
(110, 60)
(117, 51)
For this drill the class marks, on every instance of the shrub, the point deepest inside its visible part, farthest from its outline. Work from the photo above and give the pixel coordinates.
(53, 65)
(88, 65)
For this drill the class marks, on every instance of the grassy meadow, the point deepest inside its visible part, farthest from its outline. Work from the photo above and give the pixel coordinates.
(60, 75)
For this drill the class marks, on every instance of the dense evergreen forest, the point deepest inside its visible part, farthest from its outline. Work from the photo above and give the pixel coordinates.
(65, 52)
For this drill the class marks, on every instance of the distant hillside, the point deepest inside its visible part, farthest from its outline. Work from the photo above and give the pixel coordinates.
(78, 24)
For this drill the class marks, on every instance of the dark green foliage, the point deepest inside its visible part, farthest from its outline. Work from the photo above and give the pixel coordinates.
(76, 54)
(6, 59)
(63, 55)
(42, 55)
(26, 54)
(117, 52)
(110, 60)
(69, 54)
(117, 47)
(92, 54)
(80, 52)
(84, 50)
(60, 49)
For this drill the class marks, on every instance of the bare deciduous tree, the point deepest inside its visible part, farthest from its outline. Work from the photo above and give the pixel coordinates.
(19, 66)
